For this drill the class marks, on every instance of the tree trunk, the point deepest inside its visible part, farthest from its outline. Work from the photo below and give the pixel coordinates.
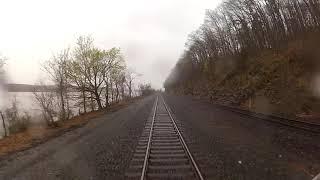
(117, 92)
(84, 101)
(112, 93)
(92, 102)
(4, 125)
(99, 103)
(130, 89)
(68, 107)
(122, 91)
(63, 110)
(97, 98)
(107, 94)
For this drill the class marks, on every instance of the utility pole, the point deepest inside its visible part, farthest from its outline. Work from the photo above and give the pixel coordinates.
(4, 125)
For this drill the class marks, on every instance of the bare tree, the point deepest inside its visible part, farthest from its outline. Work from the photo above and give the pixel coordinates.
(57, 69)
(130, 76)
(114, 62)
(118, 80)
(46, 100)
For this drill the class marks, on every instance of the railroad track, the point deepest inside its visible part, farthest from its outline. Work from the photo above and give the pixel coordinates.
(303, 125)
(162, 152)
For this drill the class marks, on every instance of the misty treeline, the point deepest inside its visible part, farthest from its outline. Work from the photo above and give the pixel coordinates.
(236, 31)
(90, 77)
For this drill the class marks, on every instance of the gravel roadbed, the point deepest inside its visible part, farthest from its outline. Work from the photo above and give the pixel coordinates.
(229, 146)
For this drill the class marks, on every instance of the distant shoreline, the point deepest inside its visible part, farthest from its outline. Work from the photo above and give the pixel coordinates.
(27, 87)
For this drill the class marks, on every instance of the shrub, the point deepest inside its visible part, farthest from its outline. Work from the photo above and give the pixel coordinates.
(20, 124)
(17, 122)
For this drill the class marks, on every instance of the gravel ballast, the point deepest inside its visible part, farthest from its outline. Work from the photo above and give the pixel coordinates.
(229, 146)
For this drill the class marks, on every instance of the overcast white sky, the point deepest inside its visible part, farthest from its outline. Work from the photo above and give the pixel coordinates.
(151, 33)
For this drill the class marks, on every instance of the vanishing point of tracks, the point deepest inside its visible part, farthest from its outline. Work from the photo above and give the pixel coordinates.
(162, 153)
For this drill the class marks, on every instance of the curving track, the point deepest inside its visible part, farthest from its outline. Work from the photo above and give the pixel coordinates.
(162, 152)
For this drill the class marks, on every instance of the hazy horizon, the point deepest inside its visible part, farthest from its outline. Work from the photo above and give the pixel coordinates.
(151, 35)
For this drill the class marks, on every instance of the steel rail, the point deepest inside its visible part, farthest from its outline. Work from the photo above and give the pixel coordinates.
(183, 142)
(293, 123)
(145, 163)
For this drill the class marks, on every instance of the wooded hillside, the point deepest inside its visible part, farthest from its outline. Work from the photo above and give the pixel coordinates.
(261, 54)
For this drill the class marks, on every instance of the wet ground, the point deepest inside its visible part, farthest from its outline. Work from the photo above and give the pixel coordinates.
(232, 146)
(99, 150)
(226, 145)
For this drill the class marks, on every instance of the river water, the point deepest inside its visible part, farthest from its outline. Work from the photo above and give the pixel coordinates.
(26, 102)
